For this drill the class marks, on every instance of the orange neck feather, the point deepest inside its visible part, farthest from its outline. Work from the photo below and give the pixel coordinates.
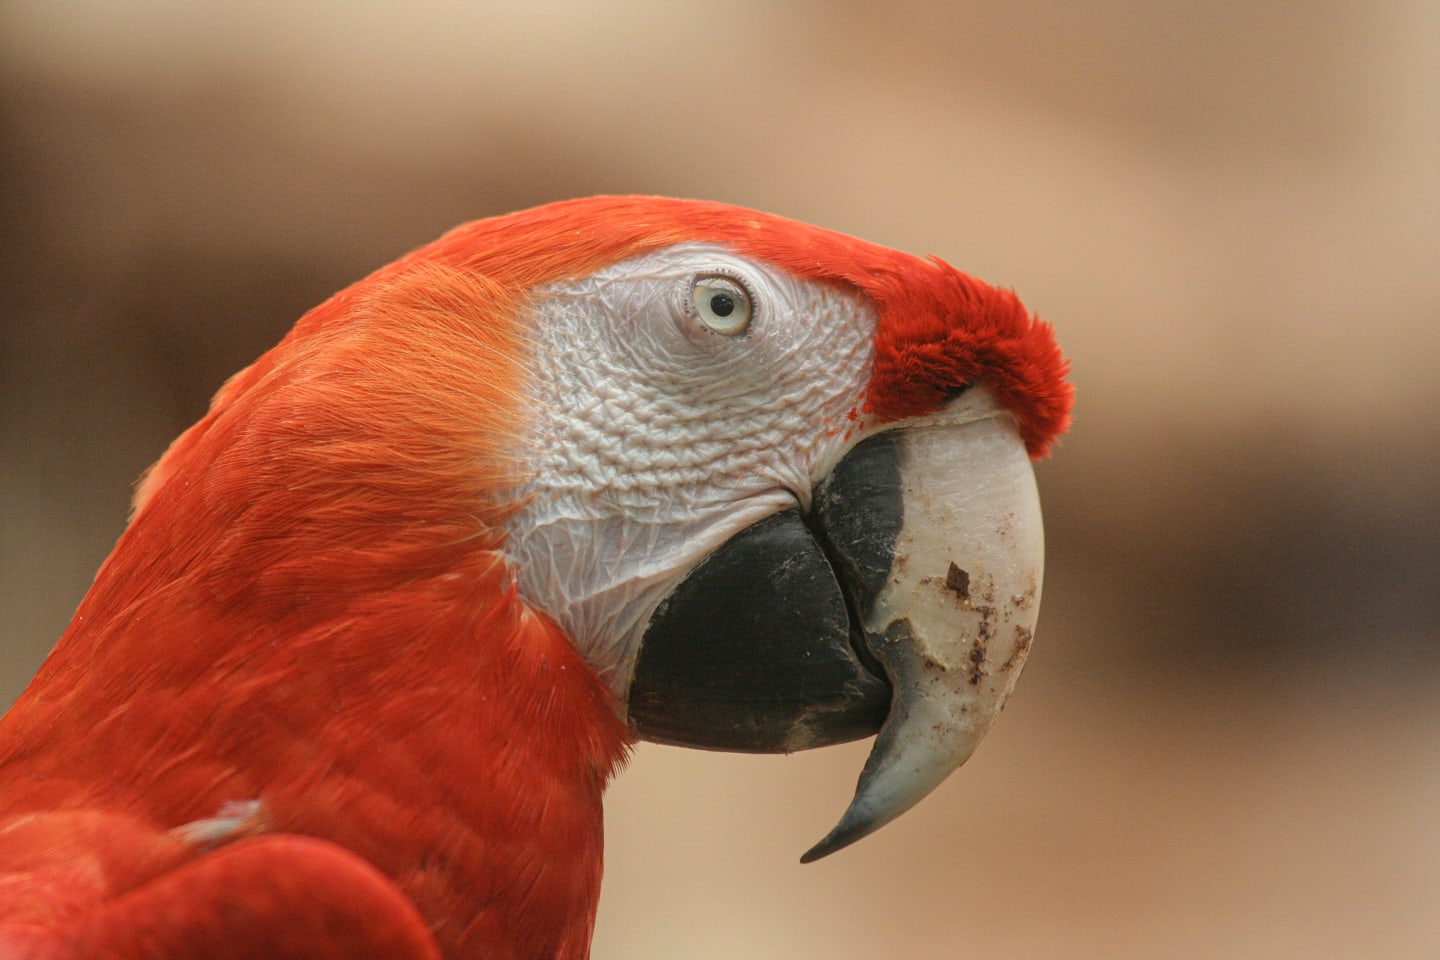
(310, 609)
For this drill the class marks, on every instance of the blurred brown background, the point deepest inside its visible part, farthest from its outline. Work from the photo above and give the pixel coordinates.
(1228, 740)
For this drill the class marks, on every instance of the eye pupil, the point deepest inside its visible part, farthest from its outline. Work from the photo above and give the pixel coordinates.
(720, 304)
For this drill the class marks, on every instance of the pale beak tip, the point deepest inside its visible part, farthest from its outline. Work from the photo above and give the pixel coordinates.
(859, 821)
(822, 849)
(837, 839)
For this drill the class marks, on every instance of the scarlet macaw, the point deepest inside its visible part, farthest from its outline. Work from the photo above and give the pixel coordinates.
(386, 621)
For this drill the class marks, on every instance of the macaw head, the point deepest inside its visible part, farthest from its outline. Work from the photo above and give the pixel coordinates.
(773, 482)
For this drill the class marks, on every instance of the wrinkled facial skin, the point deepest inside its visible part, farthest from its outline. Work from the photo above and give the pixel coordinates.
(657, 439)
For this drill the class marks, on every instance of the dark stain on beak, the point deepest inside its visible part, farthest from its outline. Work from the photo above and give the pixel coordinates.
(957, 581)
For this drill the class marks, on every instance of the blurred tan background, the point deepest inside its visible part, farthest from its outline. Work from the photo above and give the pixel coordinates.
(1228, 740)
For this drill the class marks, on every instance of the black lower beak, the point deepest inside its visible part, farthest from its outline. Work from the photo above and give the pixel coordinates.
(912, 586)
(760, 649)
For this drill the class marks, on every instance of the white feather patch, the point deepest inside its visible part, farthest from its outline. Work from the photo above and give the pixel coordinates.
(235, 818)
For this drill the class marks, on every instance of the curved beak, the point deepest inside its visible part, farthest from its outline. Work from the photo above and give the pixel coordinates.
(956, 618)
(904, 602)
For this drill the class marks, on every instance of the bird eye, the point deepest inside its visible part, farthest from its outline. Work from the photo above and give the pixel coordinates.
(722, 304)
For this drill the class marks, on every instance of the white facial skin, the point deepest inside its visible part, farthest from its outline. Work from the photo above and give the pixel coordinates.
(663, 429)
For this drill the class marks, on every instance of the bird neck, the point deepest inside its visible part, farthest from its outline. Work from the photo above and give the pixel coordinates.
(382, 689)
